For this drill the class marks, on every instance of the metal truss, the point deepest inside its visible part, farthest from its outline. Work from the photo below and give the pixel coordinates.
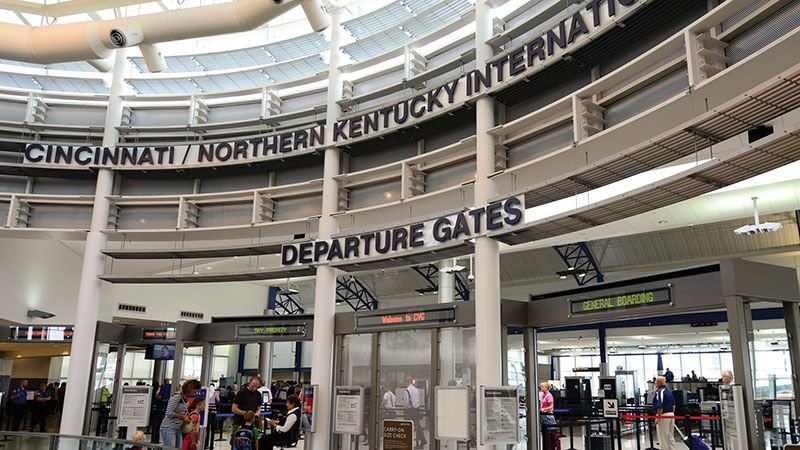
(430, 273)
(352, 291)
(286, 304)
(580, 262)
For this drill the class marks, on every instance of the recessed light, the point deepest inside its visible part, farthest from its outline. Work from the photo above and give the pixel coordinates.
(19, 356)
(208, 268)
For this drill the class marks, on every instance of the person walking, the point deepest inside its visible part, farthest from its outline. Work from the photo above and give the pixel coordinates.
(19, 404)
(664, 409)
(177, 414)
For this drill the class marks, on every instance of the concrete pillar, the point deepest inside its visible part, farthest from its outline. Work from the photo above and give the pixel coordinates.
(488, 342)
(740, 327)
(265, 350)
(81, 367)
(325, 288)
(447, 351)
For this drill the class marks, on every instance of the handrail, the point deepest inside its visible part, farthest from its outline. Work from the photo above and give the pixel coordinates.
(55, 438)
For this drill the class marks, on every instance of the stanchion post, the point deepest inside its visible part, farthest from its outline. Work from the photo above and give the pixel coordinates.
(638, 426)
(650, 433)
(571, 435)
(619, 432)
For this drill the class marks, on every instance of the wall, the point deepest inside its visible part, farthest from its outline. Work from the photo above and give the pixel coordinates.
(38, 273)
(31, 368)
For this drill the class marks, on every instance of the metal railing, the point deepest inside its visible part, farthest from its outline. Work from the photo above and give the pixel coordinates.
(47, 441)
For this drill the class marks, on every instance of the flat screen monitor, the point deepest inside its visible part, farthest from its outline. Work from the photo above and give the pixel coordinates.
(162, 352)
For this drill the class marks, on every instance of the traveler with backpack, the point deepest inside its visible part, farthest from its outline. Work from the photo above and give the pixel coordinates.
(246, 437)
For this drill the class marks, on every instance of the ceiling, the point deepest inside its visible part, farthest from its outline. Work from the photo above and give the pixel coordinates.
(33, 350)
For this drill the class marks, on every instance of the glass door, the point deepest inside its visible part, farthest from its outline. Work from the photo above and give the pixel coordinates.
(406, 382)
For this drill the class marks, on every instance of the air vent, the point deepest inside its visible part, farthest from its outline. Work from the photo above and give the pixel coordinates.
(192, 315)
(131, 308)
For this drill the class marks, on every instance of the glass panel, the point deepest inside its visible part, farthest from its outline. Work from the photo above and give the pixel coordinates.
(690, 362)
(405, 362)
(457, 364)
(515, 352)
(355, 370)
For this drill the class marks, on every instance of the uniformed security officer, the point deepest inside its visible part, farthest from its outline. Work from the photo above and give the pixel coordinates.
(19, 404)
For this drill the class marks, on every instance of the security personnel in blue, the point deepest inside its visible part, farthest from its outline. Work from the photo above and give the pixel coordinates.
(664, 408)
(19, 404)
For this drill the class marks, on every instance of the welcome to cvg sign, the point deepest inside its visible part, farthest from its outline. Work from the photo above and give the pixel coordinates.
(459, 226)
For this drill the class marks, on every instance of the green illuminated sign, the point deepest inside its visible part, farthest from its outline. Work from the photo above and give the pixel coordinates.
(282, 330)
(639, 299)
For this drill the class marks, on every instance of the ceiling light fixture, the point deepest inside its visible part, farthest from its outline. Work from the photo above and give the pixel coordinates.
(758, 228)
(39, 314)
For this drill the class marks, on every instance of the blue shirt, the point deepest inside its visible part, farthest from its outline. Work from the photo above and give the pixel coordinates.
(664, 400)
(22, 395)
(165, 392)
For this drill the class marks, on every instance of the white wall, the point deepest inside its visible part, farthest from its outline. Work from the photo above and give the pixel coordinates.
(39, 274)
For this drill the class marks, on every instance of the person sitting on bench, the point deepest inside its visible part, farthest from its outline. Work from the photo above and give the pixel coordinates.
(286, 433)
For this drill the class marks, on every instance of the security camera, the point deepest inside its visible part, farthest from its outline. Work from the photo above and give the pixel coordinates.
(471, 277)
(124, 35)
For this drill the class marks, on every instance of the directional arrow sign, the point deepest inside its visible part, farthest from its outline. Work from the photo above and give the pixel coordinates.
(611, 409)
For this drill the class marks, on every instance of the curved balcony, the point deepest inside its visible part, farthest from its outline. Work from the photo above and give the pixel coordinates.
(636, 119)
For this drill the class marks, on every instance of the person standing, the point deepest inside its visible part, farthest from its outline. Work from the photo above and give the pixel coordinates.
(177, 414)
(414, 413)
(211, 410)
(664, 409)
(669, 376)
(247, 399)
(727, 377)
(19, 404)
(550, 435)
(191, 433)
(39, 411)
(62, 391)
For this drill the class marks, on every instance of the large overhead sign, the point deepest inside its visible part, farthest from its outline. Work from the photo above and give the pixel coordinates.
(36, 333)
(461, 226)
(580, 27)
(371, 321)
(271, 330)
(646, 297)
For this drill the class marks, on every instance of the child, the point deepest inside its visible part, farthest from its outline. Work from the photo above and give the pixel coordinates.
(138, 436)
(245, 437)
(190, 439)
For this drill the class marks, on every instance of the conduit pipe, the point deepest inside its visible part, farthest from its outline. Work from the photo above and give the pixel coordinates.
(94, 41)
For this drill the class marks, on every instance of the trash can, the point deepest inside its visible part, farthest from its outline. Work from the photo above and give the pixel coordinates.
(597, 441)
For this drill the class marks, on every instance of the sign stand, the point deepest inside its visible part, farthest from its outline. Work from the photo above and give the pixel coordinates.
(134, 410)
(499, 415)
(731, 404)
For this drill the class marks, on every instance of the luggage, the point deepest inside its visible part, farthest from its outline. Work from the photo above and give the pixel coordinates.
(551, 440)
(600, 442)
(692, 441)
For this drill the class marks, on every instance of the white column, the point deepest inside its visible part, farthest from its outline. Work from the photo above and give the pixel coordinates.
(447, 283)
(325, 288)
(81, 362)
(447, 351)
(488, 343)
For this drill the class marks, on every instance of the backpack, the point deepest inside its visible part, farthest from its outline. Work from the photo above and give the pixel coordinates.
(243, 439)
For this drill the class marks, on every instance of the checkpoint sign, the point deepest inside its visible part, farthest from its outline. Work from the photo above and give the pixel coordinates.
(611, 408)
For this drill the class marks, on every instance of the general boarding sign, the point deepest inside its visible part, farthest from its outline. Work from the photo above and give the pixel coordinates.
(638, 299)
(574, 28)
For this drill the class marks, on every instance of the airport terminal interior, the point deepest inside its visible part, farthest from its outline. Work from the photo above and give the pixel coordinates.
(400, 224)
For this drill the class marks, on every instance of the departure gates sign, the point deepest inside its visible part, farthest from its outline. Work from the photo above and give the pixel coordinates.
(518, 63)
(455, 227)
(650, 297)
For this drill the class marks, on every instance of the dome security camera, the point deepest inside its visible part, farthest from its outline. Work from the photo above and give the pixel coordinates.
(125, 35)
(471, 277)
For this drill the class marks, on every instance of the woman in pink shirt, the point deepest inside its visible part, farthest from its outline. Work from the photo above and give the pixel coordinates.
(545, 398)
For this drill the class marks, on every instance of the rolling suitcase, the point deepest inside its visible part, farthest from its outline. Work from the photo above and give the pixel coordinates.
(692, 441)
